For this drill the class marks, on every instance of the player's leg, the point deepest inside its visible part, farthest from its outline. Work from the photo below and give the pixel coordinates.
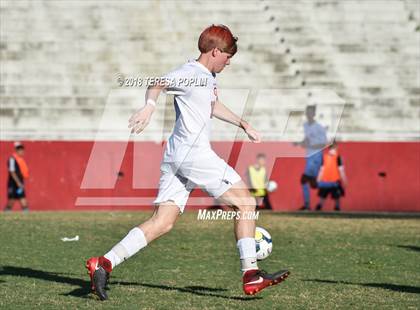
(161, 222)
(239, 198)
(24, 204)
(11, 197)
(337, 206)
(221, 181)
(254, 280)
(9, 204)
(257, 202)
(308, 179)
(322, 194)
(320, 204)
(172, 197)
(267, 203)
(336, 196)
(158, 224)
(304, 181)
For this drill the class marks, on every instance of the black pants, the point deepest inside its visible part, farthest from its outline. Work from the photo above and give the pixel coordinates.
(13, 191)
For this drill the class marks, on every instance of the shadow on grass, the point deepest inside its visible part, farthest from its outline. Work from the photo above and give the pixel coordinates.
(199, 290)
(83, 289)
(410, 247)
(386, 286)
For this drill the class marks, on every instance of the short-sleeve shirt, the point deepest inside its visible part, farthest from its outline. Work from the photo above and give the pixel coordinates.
(315, 133)
(189, 160)
(195, 92)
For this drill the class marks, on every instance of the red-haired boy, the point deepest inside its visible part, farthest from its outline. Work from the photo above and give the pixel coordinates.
(189, 161)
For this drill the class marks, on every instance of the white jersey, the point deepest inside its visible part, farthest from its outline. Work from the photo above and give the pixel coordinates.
(189, 160)
(194, 87)
(315, 133)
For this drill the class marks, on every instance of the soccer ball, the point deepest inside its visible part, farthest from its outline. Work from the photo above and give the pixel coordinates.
(271, 186)
(263, 243)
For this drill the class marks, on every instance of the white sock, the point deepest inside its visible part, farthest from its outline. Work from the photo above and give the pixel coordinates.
(247, 253)
(127, 247)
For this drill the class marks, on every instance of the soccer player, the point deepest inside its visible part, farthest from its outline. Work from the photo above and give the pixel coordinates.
(257, 180)
(189, 161)
(18, 172)
(314, 141)
(331, 178)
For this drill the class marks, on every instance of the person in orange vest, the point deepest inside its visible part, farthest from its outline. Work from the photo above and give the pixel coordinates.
(18, 172)
(257, 181)
(331, 178)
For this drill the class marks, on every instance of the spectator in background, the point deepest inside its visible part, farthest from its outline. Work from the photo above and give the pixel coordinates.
(315, 139)
(257, 181)
(331, 178)
(18, 172)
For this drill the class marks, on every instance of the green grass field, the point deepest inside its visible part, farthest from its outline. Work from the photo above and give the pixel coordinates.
(335, 262)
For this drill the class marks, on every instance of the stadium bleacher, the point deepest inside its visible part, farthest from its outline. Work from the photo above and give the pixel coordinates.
(60, 61)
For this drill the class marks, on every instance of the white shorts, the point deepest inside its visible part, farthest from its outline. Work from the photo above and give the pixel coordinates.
(205, 170)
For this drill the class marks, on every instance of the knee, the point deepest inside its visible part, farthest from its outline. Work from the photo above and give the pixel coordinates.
(163, 226)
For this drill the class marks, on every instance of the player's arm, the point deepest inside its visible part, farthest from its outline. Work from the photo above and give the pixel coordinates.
(141, 118)
(303, 143)
(343, 175)
(222, 112)
(16, 179)
(12, 171)
(342, 172)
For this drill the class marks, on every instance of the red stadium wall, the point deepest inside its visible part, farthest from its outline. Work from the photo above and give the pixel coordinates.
(383, 176)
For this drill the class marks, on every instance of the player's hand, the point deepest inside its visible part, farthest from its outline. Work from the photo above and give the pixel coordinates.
(303, 143)
(140, 119)
(253, 134)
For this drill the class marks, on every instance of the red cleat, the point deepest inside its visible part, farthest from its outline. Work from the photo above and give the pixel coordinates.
(99, 269)
(256, 280)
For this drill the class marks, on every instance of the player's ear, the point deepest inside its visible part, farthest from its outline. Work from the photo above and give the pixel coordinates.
(215, 51)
